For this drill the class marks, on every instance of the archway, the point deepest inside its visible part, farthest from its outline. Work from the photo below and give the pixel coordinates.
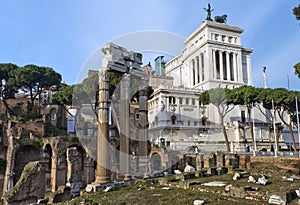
(24, 154)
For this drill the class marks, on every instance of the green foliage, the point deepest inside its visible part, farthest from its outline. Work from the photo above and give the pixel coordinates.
(64, 95)
(216, 96)
(30, 141)
(30, 113)
(52, 131)
(7, 91)
(244, 95)
(296, 12)
(297, 69)
(33, 79)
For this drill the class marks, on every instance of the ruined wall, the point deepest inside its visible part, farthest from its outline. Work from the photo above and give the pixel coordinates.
(292, 164)
(30, 187)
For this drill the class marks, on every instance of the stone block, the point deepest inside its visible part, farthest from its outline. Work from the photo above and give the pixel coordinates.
(237, 192)
(222, 170)
(211, 171)
(61, 195)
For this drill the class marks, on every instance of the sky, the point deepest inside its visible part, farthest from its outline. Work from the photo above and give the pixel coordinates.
(65, 34)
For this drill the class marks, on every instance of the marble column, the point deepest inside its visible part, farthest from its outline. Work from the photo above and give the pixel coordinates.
(143, 130)
(124, 110)
(235, 70)
(103, 129)
(249, 73)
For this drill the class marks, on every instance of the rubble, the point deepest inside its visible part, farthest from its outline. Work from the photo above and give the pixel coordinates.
(198, 202)
(236, 176)
(177, 171)
(275, 199)
(188, 168)
(262, 181)
(251, 179)
(215, 183)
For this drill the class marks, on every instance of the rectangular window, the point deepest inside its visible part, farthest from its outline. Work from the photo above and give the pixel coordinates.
(172, 100)
(193, 101)
(187, 101)
(243, 116)
(180, 101)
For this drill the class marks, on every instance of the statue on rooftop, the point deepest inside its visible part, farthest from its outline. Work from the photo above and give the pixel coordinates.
(221, 19)
(208, 10)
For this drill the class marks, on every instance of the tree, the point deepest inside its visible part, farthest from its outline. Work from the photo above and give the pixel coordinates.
(6, 91)
(64, 97)
(220, 98)
(284, 105)
(297, 69)
(33, 79)
(248, 96)
(296, 12)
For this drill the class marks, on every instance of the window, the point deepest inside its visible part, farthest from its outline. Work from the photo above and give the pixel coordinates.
(217, 62)
(198, 69)
(193, 101)
(137, 116)
(243, 116)
(189, 123)
(216, 37)
(180, 101)
(172, 100)
(224, 65)
(187, 101)
(193, 72)
(223, 38)
(173, 119)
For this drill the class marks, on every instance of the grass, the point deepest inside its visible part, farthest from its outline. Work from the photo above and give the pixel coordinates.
(152, 193)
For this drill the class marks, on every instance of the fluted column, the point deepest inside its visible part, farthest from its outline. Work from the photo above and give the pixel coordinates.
(103, 129)
(143, 129)
(124, 110)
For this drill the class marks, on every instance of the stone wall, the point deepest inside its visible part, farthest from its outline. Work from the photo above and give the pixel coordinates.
(30, 187)
(292, 164)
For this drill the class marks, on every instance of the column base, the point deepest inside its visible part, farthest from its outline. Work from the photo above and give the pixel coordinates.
(127, 177)
(146, 176)
(101, 180)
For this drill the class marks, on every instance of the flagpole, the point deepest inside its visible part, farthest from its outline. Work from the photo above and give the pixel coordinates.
(298, 124)
(274, 125)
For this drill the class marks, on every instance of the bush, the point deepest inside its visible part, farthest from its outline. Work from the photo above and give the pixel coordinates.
(52, 131)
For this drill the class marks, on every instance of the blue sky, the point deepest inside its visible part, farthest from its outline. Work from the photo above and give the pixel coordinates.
(64, 34)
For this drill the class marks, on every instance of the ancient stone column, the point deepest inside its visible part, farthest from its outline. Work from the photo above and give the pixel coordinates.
(103, 129)
(124, 110)
(143, 129)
